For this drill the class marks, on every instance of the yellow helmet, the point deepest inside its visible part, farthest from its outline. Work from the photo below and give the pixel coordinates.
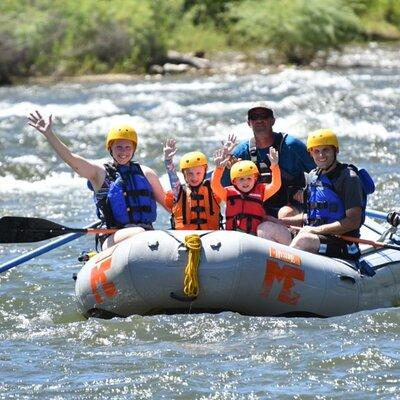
(242, 169)
(122, 131)
(322, 137)
(192, 159)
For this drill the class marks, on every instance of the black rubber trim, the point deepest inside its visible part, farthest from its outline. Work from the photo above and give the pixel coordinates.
(345, 278)
(183, 298)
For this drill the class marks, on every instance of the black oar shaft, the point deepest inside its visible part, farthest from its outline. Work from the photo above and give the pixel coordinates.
(29, 230)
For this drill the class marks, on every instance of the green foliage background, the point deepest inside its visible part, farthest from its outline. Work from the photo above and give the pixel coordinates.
(72, 37)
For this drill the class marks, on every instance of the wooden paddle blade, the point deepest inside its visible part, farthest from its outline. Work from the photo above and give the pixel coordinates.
(29, 230)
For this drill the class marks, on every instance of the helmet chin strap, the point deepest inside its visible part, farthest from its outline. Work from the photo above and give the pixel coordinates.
(111, 154)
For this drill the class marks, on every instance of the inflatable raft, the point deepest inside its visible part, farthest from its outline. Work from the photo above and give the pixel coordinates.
(237, 272)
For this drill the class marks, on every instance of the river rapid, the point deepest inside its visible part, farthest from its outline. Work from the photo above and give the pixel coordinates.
(49, 351)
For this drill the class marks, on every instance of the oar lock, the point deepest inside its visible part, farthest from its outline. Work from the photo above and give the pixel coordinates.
(393, 218)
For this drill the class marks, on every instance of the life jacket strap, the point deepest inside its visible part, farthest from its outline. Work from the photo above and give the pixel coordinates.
(249, 222)
(235, 197)
(318, 205)
(198, 221)
(140, 192)
(197, 209)
(248, 216)
(133, 209)
(196, 196)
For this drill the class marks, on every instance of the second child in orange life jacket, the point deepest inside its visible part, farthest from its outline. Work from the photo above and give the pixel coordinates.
(193, 205)
(245, 198)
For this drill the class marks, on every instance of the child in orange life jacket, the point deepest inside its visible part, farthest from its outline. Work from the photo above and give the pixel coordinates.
(245, 198)
(193, 205)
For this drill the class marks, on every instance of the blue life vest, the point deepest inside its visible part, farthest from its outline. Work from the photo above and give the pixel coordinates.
(323, 203)
(126, 197)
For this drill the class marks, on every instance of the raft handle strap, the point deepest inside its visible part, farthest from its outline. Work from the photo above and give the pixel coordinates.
(349, 279)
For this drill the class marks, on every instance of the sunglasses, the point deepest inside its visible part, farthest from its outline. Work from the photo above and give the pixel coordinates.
(259, 116)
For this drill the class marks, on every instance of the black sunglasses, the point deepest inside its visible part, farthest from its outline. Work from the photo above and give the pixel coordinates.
(259, 116)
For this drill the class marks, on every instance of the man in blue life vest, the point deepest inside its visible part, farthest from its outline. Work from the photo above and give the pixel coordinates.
(125, 192)
(335, 199)
(294, 159)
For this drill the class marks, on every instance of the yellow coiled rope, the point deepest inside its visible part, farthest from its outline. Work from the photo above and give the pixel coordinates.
(191, 281)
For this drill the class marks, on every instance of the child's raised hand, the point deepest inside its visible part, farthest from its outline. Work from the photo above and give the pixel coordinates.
(221, 157)
(169, 149)
(273, 156)
(229, 144)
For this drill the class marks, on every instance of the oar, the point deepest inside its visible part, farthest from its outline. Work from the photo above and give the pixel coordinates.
(29, 230)
(43, 249)
(359, 240)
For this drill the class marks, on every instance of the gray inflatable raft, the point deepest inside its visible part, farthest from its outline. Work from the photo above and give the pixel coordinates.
(237, 272)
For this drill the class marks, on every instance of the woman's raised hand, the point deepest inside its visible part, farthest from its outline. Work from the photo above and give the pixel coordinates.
(40, 124)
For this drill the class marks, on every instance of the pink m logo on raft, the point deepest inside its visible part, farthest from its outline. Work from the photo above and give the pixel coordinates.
(98, 277)
(287, 274)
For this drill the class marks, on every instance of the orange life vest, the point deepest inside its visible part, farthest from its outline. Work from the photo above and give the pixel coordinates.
(244, 211)
(196, 209)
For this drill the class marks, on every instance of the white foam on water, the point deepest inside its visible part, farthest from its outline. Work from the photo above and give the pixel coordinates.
(372, 100)
(221, 131)
(101, 126)
(343, 127)
(387, 93)
(26, 159)
(294, 125)
(67, 112)
(301, 77)
(196, 85)
(368, 131)
(377, 98)
(55, 183)
(373, 55)
(294, 102)
(217, 108)
(168, 109)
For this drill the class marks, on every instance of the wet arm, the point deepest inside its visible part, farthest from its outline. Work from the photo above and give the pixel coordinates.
(275, 184)
(85, 168)
(216, 186)
(173, 178)
(159, 193)
(80, 165)
(350, 222)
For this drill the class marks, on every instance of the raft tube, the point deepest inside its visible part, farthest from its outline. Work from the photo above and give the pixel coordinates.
(237, 272)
